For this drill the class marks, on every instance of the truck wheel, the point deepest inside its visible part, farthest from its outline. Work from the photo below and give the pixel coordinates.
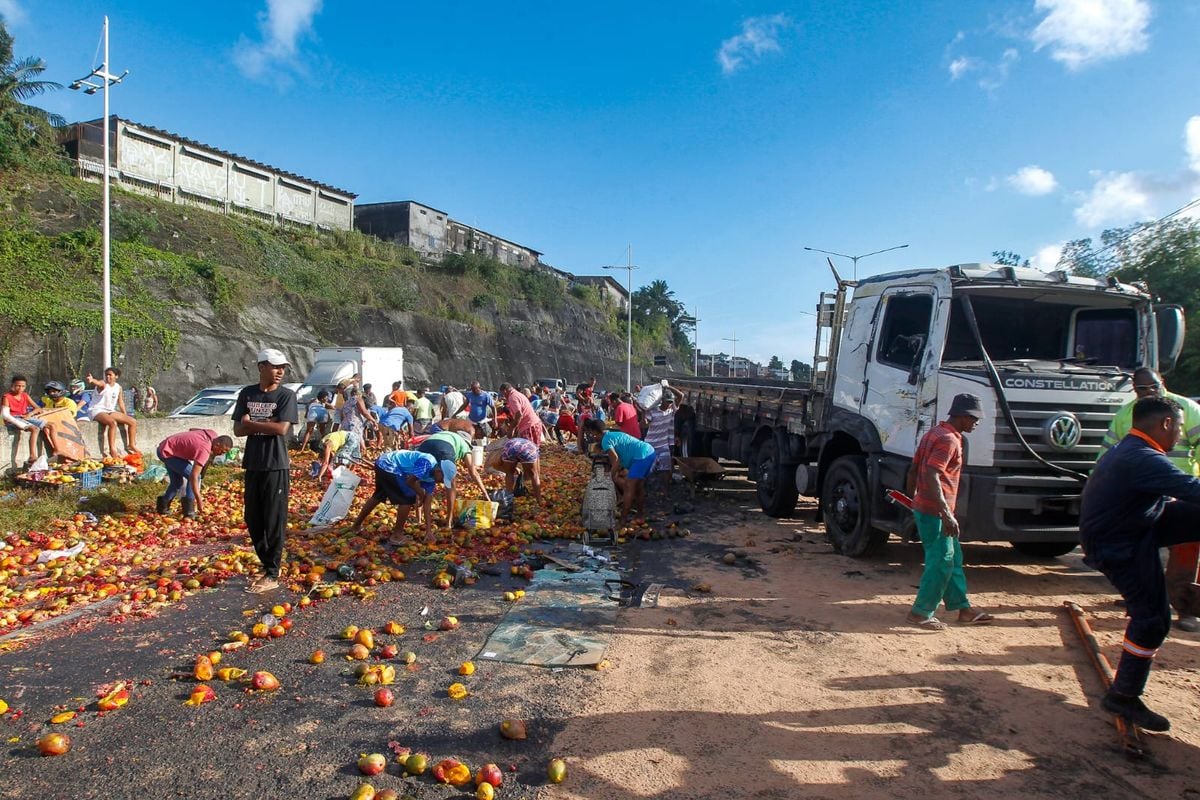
(692, 443)
(775, 482)
(846, 507)
(1044, 549)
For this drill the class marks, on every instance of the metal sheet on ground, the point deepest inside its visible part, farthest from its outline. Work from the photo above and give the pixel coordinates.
(560, 622)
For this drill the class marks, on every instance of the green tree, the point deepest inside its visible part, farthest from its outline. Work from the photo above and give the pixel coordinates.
(26, 132)
(801, 372)
(657, 313)
(1009, 259)
(1166, 257)
(775, 363)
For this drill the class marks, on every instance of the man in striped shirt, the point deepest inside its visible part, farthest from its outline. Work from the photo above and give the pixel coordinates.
(660, 431)
(1184, 558)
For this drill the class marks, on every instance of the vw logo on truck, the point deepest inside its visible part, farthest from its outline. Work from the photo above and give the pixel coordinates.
(1062, 431)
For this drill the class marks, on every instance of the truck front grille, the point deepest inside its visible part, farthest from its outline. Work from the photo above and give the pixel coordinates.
(1031, 419)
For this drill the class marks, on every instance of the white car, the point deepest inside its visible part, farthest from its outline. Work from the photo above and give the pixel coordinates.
(215, 401)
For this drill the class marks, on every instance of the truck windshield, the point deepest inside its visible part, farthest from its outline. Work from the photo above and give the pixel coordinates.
(1020, 328)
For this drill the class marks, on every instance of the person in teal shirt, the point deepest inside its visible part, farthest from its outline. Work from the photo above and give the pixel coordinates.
(1184, 558)
(631, 461)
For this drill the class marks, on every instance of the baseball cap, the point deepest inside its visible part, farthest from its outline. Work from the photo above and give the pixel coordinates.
(966, 405)
(55, 386)
(272, 357)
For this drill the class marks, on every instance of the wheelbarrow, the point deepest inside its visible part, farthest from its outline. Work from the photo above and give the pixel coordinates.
(698, 471)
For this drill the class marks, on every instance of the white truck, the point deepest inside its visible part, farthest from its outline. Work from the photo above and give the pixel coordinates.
(1050, 354)
(378, 366)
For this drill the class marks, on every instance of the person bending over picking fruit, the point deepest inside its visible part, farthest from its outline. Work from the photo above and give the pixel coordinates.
(186, 456)
(630, 460)
(522, 453)
(403, 478)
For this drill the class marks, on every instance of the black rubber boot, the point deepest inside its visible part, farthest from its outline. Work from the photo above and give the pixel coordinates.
(1134, 711)
(189, 508)
(162, 505)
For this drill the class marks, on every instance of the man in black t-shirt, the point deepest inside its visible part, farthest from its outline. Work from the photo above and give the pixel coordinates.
(263, 414)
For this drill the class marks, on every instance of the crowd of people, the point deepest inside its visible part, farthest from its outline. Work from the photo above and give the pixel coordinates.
(41, 424)
(426, 446)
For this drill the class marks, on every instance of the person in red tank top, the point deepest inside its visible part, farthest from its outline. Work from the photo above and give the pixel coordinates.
(15, 406)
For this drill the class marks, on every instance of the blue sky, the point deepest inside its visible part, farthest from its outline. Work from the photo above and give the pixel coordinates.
(718, 138)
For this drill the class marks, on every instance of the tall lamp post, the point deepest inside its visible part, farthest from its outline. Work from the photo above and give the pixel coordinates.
(733, 360)
(855, 259)
(89, 85)
(629, 267)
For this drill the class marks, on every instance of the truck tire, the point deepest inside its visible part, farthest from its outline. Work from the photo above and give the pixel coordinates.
(692, 443)
(1044, 549)
(775, 482)
(846, 507)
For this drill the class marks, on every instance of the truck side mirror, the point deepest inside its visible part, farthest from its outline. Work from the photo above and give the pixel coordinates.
(1170, 328)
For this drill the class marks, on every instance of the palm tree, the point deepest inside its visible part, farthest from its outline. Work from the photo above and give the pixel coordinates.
(20, 81)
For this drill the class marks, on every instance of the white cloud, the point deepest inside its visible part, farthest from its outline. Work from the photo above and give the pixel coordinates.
(1083, 32)
(961, 66)
(1191, 139)
(12, 12)
(1032, 180)
(992, 74)
(1116, 197)
(759, 35)
(1047, 258)
(282, 25)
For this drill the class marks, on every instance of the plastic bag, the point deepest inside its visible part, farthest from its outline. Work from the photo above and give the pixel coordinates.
(40, 465)
(335, 505)
(154, 472)
(52, 555)
(474, 514)
(503, 500)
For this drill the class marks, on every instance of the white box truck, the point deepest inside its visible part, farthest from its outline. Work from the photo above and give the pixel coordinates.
(378, 366)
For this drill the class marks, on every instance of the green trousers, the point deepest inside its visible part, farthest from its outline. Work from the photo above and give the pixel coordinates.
(943, 579)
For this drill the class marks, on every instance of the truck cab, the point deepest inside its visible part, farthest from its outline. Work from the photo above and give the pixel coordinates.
(1049, 354)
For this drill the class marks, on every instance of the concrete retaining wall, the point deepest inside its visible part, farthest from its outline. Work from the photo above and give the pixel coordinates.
(150, 431)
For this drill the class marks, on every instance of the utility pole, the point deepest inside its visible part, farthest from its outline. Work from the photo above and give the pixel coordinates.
(733, 361)
(696, 340)
(629, 267)
(106, 79)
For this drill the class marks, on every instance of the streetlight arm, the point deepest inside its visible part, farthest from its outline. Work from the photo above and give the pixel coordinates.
(830, 253)
(885, 250)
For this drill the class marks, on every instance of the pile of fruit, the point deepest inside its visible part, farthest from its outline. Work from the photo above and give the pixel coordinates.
(52, 477)
(147, 560)
(79, 467)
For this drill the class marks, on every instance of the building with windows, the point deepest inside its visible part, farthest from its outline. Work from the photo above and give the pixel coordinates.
(612, 293)
(171, 167)
(433, 233)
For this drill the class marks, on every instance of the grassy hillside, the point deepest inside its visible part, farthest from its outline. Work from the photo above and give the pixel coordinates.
(163, 253)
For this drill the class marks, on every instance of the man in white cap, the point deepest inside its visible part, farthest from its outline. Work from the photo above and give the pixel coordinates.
(263, 414)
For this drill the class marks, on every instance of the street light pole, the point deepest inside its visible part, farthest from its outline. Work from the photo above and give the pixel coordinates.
(629, 267)
(106, 79)
(856, 258)
(733, 361)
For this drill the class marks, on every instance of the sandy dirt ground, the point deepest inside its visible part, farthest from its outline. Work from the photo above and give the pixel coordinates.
(795, 676)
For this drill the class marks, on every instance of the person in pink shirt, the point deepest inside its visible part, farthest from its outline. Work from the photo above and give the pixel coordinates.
(626, 416)
(524, 420)
(186, 456)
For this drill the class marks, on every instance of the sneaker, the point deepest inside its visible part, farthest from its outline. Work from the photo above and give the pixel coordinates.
(1134, 711)
(1189, 624)
(261, 584)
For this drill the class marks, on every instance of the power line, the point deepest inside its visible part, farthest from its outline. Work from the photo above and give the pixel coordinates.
(1140, 229)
